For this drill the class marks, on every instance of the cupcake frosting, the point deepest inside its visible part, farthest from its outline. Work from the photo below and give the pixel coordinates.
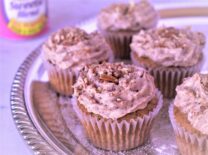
(192, 99)
(169, 46)
(132, 16)
(114, 90)
(74, 48)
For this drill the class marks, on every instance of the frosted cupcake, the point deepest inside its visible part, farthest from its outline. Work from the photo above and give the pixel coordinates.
(118, 22)
(67, 51)
(116, 104)
(189, 114)
(169, 54)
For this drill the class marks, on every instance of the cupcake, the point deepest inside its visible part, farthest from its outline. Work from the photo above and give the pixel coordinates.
(117, 104)
(67, 51)
(189, 114)
(169, 54)
(119, 22)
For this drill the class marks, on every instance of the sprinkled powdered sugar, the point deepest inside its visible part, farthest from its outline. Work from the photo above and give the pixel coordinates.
(57, 113)
(161, 140)
(169, 46)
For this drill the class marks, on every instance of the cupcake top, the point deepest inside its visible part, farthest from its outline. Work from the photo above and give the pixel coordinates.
(73, 47)
(114, 90)
(169, 46)
(132, 16)
(192, 99)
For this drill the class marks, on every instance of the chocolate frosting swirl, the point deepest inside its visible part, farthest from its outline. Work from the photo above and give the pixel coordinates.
(133, 17)
(169, 46)
(74, 48)
(192, 99)
(114, 90)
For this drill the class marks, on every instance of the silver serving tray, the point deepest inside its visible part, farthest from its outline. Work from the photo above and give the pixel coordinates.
(50, 128)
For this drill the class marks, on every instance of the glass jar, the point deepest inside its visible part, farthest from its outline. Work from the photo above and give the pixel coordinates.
(22, 18)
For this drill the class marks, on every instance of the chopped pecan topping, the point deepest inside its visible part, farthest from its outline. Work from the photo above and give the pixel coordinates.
(85, 80)
(204, 81)
(69, 36)
(108, 78)
(98, 90)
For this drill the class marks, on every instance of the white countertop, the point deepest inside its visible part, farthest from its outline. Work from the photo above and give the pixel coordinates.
(12, 54)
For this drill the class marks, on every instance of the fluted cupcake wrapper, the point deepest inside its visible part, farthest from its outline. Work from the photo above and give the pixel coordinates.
(166, 79)
(118, 135)
(119, 42)
(60, 80)
(188, 143)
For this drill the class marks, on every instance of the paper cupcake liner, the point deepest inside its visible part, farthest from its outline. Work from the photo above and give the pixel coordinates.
(166, 79)
(60, 80)
(118, 135)
(119, 42)
(188, 143)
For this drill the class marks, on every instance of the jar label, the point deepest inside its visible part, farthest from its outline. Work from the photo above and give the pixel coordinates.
(25, 17)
